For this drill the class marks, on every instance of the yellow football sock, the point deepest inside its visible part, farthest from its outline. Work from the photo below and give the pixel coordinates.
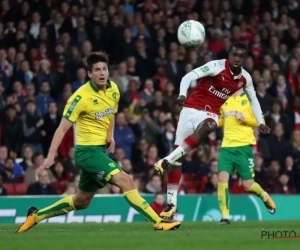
(60, 207)
(257, 190)
(223, 198)
(142, 206)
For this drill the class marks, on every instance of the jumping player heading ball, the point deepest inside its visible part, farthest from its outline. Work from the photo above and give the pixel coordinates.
(219, 79)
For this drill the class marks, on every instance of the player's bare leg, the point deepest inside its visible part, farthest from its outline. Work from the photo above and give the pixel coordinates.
(255, 188)
(191, 142)
(80, 200)
(174, 176)
(126, 184)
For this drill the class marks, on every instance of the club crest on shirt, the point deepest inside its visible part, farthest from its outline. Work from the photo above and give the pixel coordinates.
(114, 96)
(240, 84)
(244, 102)
(112, 164)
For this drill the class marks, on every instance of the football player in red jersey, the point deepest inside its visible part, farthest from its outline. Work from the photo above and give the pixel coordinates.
(218, 80)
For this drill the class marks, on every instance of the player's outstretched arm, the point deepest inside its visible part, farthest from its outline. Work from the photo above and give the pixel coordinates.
(249, 119)
(255, 106)
(110, 136)
(209, 69)
(59, 134)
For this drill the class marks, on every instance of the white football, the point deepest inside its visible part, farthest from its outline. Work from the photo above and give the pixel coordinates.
(191, 34)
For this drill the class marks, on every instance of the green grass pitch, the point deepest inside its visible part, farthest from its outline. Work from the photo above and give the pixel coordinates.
(139, 236)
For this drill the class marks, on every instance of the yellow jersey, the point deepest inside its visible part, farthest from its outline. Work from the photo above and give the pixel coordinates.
(237, 133)
(92, 110)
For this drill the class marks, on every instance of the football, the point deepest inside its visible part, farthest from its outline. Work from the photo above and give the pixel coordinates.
(191, 34)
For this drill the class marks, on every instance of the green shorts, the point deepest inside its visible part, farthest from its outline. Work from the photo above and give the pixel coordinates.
(96, 168)
(239, 158)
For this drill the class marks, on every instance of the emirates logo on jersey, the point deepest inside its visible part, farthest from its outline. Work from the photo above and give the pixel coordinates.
(224, 94)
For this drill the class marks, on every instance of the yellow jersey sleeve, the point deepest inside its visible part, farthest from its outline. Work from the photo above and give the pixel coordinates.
(221, 119)
(249, 118)
(73, 107)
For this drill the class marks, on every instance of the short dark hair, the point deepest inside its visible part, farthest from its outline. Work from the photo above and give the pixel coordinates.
(159, 193)
(9, 159)
(95, 57)
(10, 106)
(240, 45)
(30, 101)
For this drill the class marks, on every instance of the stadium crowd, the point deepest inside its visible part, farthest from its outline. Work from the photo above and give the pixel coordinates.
(43, 44)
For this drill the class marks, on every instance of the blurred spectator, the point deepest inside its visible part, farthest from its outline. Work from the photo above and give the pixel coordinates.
(71, 189)
(158, 204)
(152, 157)
(272, 185)
(123, 135)
(60, 174)
(81, 79)
(27, 158)
(30, 174)
(261, 146)
(167, 139)
(32, 124)
(3, 191)
(148, 126)
(140, 155)
(17, 169)
(69, 162)
(276, 116)
(278, 145)
(260, 169)
(12, 127)
(154, 185)
(147, 93)
(212, 185)
(286, 185)
(126, 166)
(42, 186)
(7, 173)
(43, 99)
(263, 97)
(122, 78)
(51, 122)
(119, 156)
(115, 190)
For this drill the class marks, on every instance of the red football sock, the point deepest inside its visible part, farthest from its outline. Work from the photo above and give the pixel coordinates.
(174, 177)
(191, 142)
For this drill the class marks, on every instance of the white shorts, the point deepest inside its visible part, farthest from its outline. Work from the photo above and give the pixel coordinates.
(189, 120)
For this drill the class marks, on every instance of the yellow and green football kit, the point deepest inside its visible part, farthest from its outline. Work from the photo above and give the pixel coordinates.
(92, 111)
(236, 149)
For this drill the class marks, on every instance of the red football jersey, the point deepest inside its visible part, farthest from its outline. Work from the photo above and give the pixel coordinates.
(216, 84)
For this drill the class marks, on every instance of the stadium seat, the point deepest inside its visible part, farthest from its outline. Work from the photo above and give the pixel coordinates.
(59, 187)
(21, 188)
(190, 177)
(10, 188)
(190, 184)
(192, 191)
(21, 179)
